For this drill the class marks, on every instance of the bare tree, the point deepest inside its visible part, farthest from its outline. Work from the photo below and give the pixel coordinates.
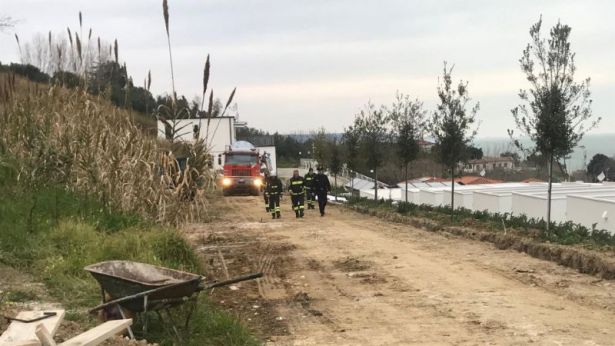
(55, 52)
(6, 22)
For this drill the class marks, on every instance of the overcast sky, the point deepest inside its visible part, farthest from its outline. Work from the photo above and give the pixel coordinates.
(301, 65)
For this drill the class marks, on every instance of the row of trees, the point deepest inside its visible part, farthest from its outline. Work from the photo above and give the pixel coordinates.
(555, 113)
(403, 125)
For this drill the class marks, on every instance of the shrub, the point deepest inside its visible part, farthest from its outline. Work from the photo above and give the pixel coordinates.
(29, 71)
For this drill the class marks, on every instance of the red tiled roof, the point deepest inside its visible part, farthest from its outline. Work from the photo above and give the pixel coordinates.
(474, 180)
(424, 142)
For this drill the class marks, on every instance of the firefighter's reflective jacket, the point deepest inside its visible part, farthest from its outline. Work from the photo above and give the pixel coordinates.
(296, 186)
(309, 181)
(274, 187)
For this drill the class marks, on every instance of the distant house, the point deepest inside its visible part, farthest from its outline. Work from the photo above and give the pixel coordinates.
(425, 145)
(489, 164)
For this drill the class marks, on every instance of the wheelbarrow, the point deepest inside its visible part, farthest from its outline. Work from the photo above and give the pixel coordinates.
(140, 287)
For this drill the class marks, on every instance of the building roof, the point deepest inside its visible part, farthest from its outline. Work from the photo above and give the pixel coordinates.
(492, 159)
(425, 182)
(474, 180)
(423, 142)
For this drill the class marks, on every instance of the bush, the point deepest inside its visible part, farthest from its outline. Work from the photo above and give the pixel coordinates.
(29, 71)
(66, 79)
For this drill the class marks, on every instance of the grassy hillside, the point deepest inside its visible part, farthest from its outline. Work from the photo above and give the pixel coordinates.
(82, 183)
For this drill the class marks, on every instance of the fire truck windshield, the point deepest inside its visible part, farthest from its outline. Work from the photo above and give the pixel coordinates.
(240, 159)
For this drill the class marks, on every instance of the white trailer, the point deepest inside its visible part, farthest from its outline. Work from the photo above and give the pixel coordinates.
(595, 211)
(217, 132)
(535, 204)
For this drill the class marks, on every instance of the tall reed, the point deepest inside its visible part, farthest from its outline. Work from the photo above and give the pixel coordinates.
(83, 142)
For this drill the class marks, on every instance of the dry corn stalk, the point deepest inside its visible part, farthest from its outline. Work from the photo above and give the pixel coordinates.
(72, 138)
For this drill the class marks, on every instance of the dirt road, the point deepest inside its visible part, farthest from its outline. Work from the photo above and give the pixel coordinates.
(349, 279)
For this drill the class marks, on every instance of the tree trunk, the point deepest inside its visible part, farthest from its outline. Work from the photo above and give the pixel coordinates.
(376, 184)
(352, 182)
(452, 191)
(335, 182)
(406, 179)
(550, 168)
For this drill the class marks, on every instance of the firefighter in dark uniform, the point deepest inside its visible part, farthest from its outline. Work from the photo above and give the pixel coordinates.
(321, 187)
(309, 189)
(296, 186)
(265, 193)
(274, 192)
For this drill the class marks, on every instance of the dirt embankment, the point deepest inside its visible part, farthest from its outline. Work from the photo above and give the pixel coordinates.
(353, 279)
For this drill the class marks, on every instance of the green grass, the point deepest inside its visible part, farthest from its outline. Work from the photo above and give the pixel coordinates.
(20, 296)
(565, 233)
(52, 234)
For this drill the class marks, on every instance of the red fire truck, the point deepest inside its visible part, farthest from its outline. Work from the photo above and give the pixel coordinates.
(243, 169)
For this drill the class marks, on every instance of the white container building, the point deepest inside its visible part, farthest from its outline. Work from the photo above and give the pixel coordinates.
(592, 211)
(464, 195)
(535, 204)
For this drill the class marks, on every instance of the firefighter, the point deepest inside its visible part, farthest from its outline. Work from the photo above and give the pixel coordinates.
(265, 193)
(296, 186)
(309, 190)
(274, 193)
(321, 187)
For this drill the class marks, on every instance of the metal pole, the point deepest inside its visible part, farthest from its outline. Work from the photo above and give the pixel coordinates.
(549, 193)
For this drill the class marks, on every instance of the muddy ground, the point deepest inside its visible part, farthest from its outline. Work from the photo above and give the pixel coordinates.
(349, 279)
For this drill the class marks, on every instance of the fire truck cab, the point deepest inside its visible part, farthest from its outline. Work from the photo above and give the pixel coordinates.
(243, 166)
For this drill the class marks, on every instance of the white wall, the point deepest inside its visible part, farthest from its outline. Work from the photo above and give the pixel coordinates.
(394, 194)
(413, 195)
(219, 134)
(464, 194)
(434, 195)
(535, 206)
(494, 202)
(589, 210)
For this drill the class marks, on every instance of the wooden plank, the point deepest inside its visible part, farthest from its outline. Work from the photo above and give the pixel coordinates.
(19, 333)
(98, 334)
(44, 336)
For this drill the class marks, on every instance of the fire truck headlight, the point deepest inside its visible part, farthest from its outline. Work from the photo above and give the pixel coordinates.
(226, 182)
(258, 182)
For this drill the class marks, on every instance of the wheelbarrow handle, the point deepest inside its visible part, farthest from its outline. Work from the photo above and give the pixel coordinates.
(234, 280)
(139, 295)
